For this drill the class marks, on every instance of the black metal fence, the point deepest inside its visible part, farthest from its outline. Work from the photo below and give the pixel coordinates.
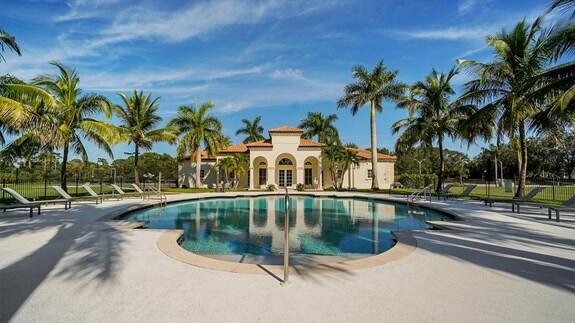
(553, 189)
(34, 186)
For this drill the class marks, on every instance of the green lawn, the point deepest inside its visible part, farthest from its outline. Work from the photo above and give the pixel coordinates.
(556, 195)
(37, 191)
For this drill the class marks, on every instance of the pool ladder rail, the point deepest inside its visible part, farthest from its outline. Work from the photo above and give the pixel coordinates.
(286, 238)
(422, 194)
(159, 195)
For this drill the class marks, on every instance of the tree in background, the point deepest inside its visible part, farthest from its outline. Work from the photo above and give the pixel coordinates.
(340, 160)
(316, 124)
(432, 116)
(8, 41)
(139, 119)
(514, 88)
(67, 113)
(372, 87)
(196, 127)
(252, 130)
(233, 168)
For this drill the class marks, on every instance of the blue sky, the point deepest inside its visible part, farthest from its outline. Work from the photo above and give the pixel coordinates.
(277, 59)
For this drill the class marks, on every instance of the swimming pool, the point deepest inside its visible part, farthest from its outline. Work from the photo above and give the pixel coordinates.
(253, 227)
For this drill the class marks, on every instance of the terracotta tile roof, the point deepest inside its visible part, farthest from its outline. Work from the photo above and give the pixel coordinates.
(261, 143)
(286, 129)
(366, 154)
(204, 155)
(309, 143)
(239, 148)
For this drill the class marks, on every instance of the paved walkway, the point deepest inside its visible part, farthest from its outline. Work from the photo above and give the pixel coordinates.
(65, 266)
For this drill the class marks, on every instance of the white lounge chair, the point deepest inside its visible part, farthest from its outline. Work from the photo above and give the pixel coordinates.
(25, 203)
(123, 194)
(92, 193)
(156, 194)
(567, 206)
(67, 196)
(444, 192)
(527, 199)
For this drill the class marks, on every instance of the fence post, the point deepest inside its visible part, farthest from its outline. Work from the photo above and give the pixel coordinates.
(77, 182)
(100, 183)
(553, 188)
(45, 185)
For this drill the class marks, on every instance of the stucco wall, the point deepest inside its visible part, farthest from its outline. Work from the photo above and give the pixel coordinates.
(358, 178)
(187, 174)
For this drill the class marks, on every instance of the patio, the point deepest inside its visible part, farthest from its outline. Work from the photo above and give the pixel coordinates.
(69, 266)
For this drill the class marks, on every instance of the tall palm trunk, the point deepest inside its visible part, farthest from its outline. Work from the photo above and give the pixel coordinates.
(136, 167)
(374, 181)
(63, 174)
(441, 165)
(198, 167)
(523, 162)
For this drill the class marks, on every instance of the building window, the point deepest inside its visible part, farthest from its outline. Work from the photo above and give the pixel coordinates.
(308, 176)
(369, 173)
(285, 161)
(262, 175)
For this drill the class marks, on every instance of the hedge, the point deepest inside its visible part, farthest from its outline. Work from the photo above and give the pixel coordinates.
(416, 180)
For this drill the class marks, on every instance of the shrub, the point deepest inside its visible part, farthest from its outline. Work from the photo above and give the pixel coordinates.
(416, 180)
(300, 187)
(271, 187)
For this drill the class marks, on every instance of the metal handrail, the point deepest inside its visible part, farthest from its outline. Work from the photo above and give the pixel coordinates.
(163, 197)
(419, 193)
(286, 238)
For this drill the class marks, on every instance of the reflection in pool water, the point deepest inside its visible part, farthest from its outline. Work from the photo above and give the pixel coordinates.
(318, 225)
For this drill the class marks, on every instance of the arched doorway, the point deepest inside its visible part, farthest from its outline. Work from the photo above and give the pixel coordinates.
(260, 175)
(285, 171)
(311, 173)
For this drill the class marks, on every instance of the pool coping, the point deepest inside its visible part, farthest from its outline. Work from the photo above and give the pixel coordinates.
(169, 241)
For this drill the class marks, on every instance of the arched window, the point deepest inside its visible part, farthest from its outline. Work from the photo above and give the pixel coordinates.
(285, 161)
(263, 164)
(308, 164)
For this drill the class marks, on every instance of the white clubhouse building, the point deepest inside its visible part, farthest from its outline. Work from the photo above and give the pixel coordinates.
(285, 160)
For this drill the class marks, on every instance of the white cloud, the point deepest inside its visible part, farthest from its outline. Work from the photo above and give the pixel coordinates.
(288, 74)
(466, 6)
(162, 79)
(449, 33)
(84, 9)
(201, 18)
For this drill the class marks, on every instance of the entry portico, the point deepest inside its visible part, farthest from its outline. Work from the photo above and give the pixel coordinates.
(285, 160)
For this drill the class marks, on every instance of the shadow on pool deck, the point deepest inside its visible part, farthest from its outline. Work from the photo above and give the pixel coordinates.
(90, 250)
(481, 244)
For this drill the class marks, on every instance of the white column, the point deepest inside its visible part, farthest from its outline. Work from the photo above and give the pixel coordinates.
(252, 178)
(300, 176)
(272, 176)
(320, 175)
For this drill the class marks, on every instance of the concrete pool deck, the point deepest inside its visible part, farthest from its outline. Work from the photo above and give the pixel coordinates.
(67, 266)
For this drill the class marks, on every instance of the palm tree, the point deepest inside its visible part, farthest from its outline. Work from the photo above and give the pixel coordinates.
(340, 159)
(70, 113)
(563, 5)
(26, 110)
(316, 124)
(196, 127)
(517, 86)
(432, 116)
(138, 122)
(372, 87)
(9, 41)
(252, 129)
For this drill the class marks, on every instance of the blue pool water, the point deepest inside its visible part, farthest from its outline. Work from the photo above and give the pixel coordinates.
(318, 225)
